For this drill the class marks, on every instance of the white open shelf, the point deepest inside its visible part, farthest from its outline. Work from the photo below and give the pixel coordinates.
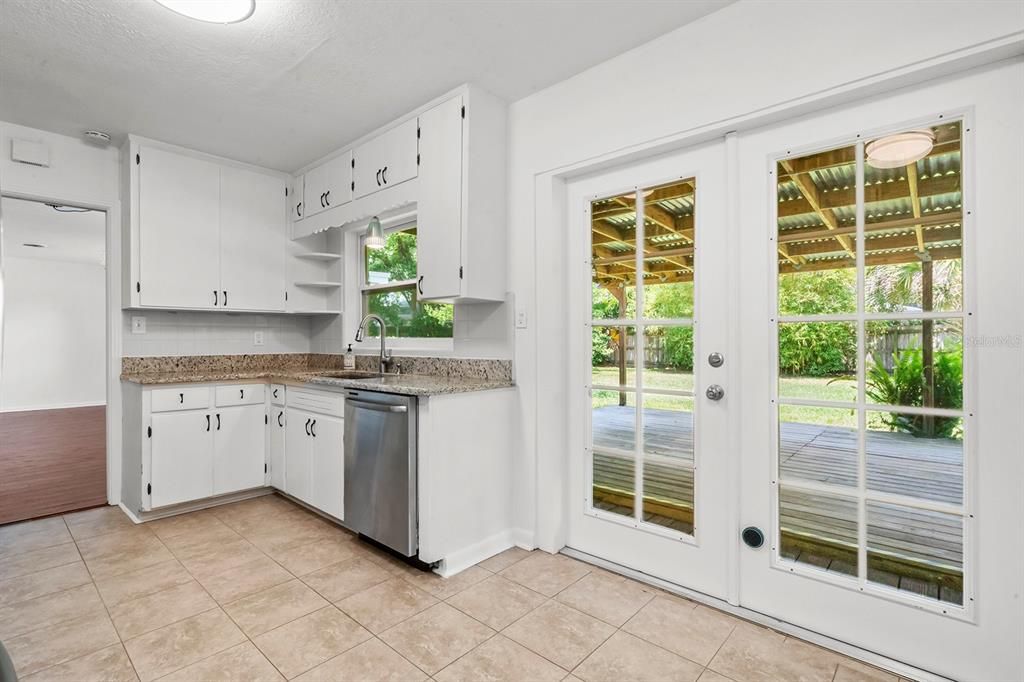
(319, 285)
(319, 255)
(315, 274)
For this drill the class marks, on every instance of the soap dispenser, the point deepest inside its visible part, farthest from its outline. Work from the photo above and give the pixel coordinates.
(350, 358)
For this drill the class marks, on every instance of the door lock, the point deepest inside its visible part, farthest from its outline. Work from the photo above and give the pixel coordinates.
(715, 392)
(753, 537)
(716, 359)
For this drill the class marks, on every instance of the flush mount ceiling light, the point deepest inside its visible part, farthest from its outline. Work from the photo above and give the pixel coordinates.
(901, 149)
(374, 234)
(213, 11)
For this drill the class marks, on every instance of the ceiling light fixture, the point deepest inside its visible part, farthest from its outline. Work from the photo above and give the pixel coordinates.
(375, 234)
(901, 149)
(212, 11)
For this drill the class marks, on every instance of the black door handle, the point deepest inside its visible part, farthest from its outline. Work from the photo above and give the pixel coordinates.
(419, 284)
(215, 297)
(327, 197)
(225, 298)
(312, 430)
(207, 422)
(384, 174)
(279, 415)
(181, 398)
(218, 421)
(307, 426)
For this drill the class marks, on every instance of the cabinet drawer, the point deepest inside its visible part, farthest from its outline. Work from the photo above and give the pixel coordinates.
(241, 394)
(175, 399)
(277, 394)
(323, 402)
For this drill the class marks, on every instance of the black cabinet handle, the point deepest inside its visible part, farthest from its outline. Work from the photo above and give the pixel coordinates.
(215, 297)
(419, 284)
(279, 415)
(298, 208)
(378, 177)
(312, 430)
(327, 197)
(225, 298)
(307, 426)
(218, 421)
(384, 174)
(181, 398)
(322, 195)
(207, 422)
(275, 392)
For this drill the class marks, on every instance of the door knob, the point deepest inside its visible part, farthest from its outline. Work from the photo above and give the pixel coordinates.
(716, 359)
(715, 392)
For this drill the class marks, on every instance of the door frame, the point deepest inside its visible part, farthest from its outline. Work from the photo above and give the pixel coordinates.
(114, 326)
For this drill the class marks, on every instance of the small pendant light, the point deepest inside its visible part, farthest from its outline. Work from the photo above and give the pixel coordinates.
(374, 234)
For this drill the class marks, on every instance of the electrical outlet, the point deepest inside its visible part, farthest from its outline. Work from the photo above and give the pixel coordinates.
(520, 319)
(138, 324)
(257, 338)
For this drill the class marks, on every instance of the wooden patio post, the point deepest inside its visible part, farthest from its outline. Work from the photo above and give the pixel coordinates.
(620, 296)
(927, 352)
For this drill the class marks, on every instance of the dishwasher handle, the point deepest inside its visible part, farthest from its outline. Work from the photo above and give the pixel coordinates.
(378, 407)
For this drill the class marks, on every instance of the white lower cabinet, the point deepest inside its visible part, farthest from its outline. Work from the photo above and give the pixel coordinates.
(181, 457)
(298, 455)
(239, 458)
(275, 447)
(328, 464)
(314, 449)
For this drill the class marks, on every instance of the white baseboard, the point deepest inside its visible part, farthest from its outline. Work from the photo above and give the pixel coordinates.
(524, 539)
(185, 507)
(474, 554)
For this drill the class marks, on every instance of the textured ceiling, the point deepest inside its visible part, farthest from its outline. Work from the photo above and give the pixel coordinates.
(301, 77)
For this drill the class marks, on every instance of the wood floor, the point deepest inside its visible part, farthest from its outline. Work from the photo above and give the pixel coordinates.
(52, 461)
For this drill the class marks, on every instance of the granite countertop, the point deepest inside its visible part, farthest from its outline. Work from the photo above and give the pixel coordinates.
(406, 384)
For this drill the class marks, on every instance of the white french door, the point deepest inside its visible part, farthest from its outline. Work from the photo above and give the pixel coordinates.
(650, 449)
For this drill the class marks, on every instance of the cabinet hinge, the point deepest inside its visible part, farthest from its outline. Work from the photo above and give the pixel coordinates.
(463, 111)
(138, 287)
(417, 159)
(286, 295)
(286, 191)
(353, 185)
(460, 272)
(138, 159)
(353, 162)
(149, 432)
(417, 132)
(266, 419)
(264, 467)
(149, 488)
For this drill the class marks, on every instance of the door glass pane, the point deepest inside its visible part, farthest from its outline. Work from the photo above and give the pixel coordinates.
(903, 460)
(612, 356)
(915, 362)
(818, 361)
(668, 358)
(613, 256)
(913, 229)
(816, 233)
(818, 444)
(614, 483)
(818, 530)
(916, 550)
(613, 419)
(669, 244)
(668, 461)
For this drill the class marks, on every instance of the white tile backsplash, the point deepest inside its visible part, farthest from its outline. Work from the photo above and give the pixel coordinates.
(213, 333)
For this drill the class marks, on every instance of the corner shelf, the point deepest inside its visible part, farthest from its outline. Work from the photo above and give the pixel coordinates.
(319, 255)
(319, 285)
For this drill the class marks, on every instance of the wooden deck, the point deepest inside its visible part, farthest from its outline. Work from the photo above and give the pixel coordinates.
(910, 549)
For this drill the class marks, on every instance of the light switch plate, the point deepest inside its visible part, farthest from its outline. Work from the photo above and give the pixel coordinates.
(520, 319)
(257, 338)
(138, 324)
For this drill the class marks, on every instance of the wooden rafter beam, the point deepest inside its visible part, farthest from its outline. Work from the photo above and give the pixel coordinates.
(933, 219)
(893, 258)
(896, 241)
(915, 202)
(947, 141)
(842, 198)
(807, 187)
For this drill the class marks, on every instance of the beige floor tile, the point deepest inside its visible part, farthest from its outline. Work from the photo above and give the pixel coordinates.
(694, 632)
(625, 657)
(38, 560)
(546, 573)
(201, 541)
(386, 604)
(33, 537)
(339, 581)
(43, 582)
(127, 586)
(240, 663)
(254, 508)
(611, 598)
(434, 638)
(371, 661)
(752, 654)
(311, 640)
(117, 542)
(23, 528)
(711, 676)
(106, 665)
(246, 579)
(49, 610)
(139, 616)
(196, 522)
(149, 553)
(98, 521)
(855, 671)
(499, 659)
(275, 606)
(497, 602)
(60, 643)
(443, 588)
(175, 646)
(219, 558)
(388, 562)
(499, 562)
(559, 633)
(304, 559)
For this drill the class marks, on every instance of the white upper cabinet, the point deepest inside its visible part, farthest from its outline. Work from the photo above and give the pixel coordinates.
(326, 186)
(178, 249)
(386, 160)
(252, 239)
(313, 183)
(202, 233)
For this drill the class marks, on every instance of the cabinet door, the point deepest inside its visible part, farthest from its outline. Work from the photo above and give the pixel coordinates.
(252, 240)
(239, 451)
(313, 191)
(296, 199)
(181, 459)
(328, 464)
(179, 218)
(275, 447)
(386, 160)
(298, 452)
(439, 219)
(338, 180)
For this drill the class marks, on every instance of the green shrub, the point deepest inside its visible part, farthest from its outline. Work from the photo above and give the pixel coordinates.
(905, 386)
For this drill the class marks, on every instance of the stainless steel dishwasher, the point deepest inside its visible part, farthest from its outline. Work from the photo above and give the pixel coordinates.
(380, 468)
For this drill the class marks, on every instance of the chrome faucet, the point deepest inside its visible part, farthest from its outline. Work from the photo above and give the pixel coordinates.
(385, 355)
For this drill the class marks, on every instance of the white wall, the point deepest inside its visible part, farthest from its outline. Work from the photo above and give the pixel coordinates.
(746, 58)
(54, 337)
(212, 333)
